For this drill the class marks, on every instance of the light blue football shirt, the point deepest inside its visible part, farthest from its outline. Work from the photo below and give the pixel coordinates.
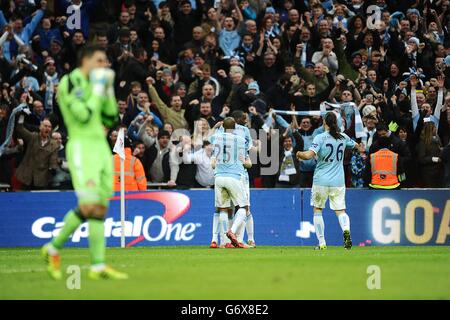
(329, 170)
(241, 131)
(228, 148)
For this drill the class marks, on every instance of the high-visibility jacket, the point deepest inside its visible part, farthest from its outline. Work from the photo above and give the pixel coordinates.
(383, 164)
(135, 179)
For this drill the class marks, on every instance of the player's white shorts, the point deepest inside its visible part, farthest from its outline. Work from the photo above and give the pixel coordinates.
(320, 195)
(227, 189)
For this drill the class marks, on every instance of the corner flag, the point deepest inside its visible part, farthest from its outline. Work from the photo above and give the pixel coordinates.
(119, 148)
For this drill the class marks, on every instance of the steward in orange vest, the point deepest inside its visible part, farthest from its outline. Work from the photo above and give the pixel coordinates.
(382, 168)
(135, 179)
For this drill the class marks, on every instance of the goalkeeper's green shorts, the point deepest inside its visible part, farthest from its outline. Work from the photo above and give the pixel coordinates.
(91, 168)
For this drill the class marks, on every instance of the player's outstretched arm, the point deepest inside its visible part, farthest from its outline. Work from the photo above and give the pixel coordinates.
(305, 155)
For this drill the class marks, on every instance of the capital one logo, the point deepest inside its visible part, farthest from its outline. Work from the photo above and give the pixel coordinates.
(164, 227)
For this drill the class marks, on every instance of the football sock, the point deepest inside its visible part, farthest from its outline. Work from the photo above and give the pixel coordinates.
(215, 228)
(319, 226)
(97, 241)
(223, 221)
(344, 221)
(240, 233)
(230, 221)
(239, 219)
(249, 227)
(71, 222)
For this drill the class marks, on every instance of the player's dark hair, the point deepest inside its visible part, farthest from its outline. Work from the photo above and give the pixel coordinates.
(331, 121)
(381, 126)
(238, 115)
(163, 133)
(139, 52)
(101, 33)
(88, 51)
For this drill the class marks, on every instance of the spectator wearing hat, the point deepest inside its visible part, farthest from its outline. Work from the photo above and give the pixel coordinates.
(56, 53)
(121, 50)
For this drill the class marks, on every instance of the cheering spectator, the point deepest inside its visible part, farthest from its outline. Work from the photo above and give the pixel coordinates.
(41, 157)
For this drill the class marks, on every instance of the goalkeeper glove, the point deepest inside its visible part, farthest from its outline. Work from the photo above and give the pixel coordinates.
(101, 79)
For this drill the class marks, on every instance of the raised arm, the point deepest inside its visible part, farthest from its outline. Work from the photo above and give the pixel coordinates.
(22, 131)
(30, 27)
(162, 107)
(440, 99)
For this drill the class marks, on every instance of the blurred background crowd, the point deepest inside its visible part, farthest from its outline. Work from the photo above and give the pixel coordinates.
(182, 66)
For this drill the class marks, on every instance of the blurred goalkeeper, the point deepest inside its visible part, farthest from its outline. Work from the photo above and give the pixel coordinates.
(87, 102)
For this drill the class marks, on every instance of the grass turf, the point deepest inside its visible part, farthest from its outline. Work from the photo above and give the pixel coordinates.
(261, 273)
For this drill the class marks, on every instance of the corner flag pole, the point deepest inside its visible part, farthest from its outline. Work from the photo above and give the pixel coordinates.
(122, 201)
(119, 148)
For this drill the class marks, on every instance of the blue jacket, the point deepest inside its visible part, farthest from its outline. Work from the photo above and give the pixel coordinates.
(47, 37)
(28, 30)
(229, 41)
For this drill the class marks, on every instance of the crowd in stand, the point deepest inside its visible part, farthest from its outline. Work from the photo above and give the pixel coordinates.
(182, 66)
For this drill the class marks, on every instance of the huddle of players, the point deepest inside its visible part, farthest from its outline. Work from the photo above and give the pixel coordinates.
(230, 161)
(232, 143)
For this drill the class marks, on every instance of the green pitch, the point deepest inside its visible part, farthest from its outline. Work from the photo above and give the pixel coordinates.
(261, 273)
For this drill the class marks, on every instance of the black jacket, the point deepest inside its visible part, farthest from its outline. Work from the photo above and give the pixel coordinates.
(151, 154)
(294, 179)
